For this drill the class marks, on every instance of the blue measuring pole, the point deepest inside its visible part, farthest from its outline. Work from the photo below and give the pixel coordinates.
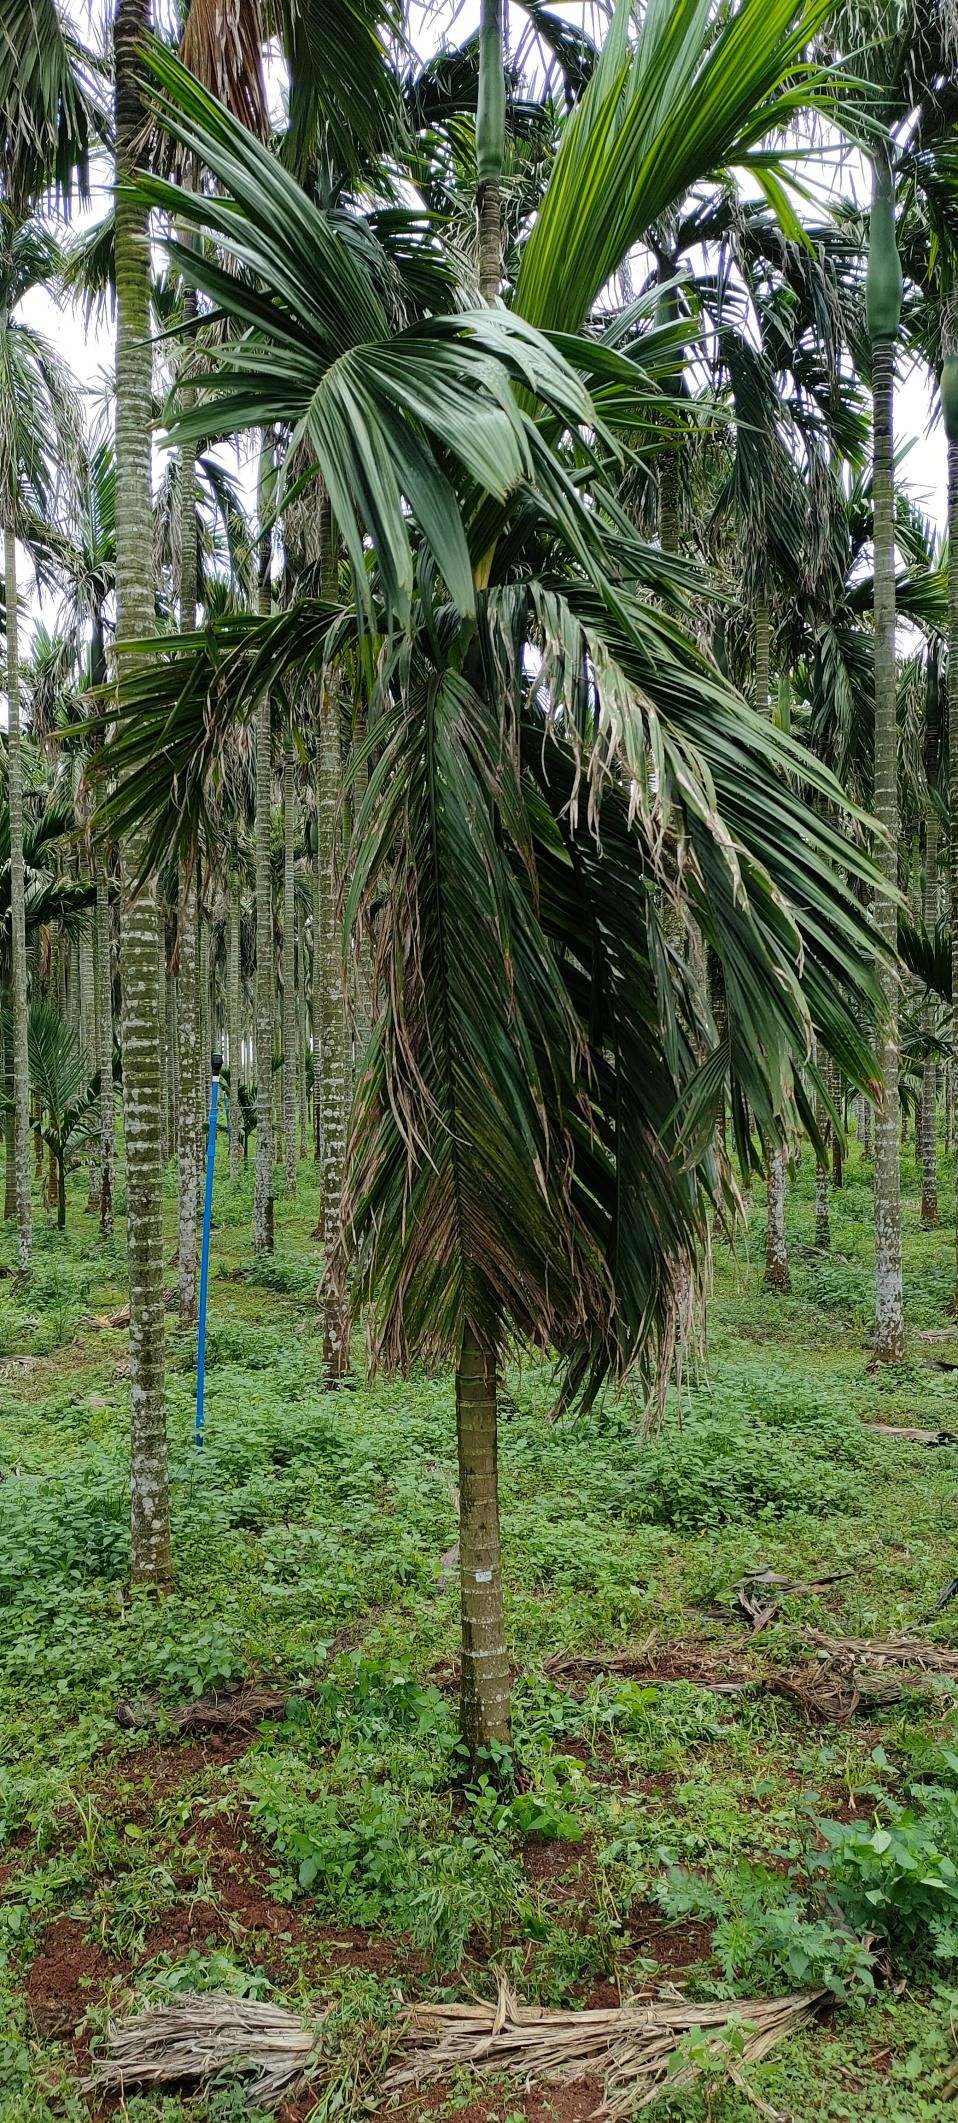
(216, 1065)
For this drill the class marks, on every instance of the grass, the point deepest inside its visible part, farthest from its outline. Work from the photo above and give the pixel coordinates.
(646, 1830)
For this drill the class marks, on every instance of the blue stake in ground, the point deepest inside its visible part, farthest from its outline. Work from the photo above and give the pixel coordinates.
(216, 1064)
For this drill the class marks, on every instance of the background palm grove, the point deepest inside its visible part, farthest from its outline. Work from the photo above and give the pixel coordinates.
(481, 670)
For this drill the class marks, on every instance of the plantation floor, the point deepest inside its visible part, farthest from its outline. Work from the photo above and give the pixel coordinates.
(657, 1830)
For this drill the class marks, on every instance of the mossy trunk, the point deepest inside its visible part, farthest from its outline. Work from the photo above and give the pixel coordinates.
(777, 1273)
(150, 1557)
(187, 1070)
(104, 1039)
(889, 1293)
(333, 1098)
(929, 1081)
(290, 1033)
(19, 1003)
(317, 979)
(485, 1687)
(953, 744)
(263, 1188)
(236, 1024)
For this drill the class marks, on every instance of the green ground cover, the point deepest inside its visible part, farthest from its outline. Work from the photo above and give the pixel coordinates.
(649, 1829)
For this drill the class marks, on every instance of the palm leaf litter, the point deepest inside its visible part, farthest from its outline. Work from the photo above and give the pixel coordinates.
(638, 2050)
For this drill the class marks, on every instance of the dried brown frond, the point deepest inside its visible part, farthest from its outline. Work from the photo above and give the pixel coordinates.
(223, 46)
(195, 2039)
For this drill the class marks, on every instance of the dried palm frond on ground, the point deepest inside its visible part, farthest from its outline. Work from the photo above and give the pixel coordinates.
(862, 1673)
(637, 2048)
(634, 2046)
(880, 1651)
(194, 2038)
(234, 1709)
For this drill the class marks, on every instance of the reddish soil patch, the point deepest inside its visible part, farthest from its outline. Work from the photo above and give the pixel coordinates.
(240, 1872)
(330, 1948)
(563, 1870)
(69, 1974)
(567, 2102)
(671, 1945)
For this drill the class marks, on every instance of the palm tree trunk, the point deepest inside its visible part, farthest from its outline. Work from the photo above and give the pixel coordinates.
(490, 148)
(10, 1174)
(290, 1037)
(953, 748)
(61, 1193)
(777, 1273)
(333, 1080)
(236, 1027)
(301, 1037)
(94, 1174)
(485, 1688)
(18, 920)
(263, 1189)
(763, 653)
(188, 1062)
(889, 1293)
(142, 1080)
(362, 966)
(333, 1074)
(204, 1016)
(104, 1040)
(929, 1081)
(823, 1220)
(188, 972)
(838, 1153)
(317, 980)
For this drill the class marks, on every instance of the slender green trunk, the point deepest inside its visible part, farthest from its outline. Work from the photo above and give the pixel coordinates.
(104, 1040)
(485, 1691)
(263, 1190)
(777, 1272)
(889, 1295)
(317, 989)
(188, 971)
(10, 1176)
(204, 1010)
(361, 956)
(838, 1154)
(61, 1193)
(929, 1084)
(490, 147)
(88, 975)
(333, 1098)
(188, 1064)
(235, 1026)
(333, 1087)
(823, 1221)
(301, 1037)
(290, 1037)
(953, 745)
(142, 1080)
(18, 921)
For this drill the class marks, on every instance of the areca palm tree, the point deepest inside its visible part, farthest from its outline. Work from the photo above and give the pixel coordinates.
(48, 113)
(534, 1148)
(139, 963)
(39, 444)
(68, 1095)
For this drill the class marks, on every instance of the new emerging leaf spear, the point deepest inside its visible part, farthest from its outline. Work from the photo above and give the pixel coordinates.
(216, 1063)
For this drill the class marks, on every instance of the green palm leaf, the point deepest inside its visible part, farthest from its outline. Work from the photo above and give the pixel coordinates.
(692, 93)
